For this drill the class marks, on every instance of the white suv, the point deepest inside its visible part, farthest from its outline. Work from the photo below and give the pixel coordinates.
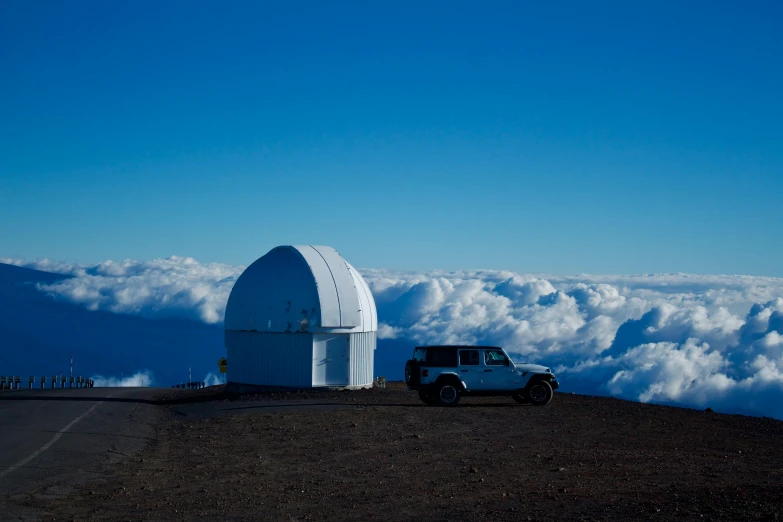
(442, 374)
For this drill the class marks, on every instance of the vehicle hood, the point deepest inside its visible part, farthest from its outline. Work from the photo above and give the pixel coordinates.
(532, 368)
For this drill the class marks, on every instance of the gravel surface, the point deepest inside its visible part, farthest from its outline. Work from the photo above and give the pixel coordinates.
(392, 458)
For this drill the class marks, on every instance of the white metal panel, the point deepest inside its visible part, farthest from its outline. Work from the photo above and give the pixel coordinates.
(277, 293)
(327, 290)
(362, 358)
(366, 301)
(347, 293)
(330, 363)
(269, 359)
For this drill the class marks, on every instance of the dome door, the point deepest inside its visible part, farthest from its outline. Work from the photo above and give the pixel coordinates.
(330, 359)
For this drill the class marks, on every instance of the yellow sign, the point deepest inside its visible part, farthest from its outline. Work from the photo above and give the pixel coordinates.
(222, 363)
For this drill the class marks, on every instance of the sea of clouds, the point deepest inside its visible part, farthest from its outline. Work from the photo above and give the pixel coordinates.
(138, 379)
(691, 340)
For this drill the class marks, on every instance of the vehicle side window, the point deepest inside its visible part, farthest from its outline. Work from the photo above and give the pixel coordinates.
(468, 357)
(495, 358)
(420, 354)
(442, 357)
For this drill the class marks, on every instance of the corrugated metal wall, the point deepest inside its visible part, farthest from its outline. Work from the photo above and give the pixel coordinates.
(286, 359)
(270, 359)
(362, 361)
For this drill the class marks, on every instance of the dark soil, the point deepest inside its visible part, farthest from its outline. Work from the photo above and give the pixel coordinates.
(393, 458)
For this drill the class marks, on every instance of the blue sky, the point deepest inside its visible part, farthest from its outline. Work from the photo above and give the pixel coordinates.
(561, 137)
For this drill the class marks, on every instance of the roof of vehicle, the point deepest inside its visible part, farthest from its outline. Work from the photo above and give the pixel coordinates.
(463, 346)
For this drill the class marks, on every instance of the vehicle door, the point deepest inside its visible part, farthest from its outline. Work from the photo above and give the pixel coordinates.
(498, 371)
(470, 368)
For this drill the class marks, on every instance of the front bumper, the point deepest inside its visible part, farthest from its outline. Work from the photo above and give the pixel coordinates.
(553, 382)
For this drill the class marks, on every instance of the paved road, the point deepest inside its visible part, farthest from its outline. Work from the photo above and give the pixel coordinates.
(53, 439)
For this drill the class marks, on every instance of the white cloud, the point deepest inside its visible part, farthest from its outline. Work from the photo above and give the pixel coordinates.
(676, 338)
(524, 290)
(667, 371)
(388, 332)
(212, 379)
(175, 286)
(772, 339)
(142, 378)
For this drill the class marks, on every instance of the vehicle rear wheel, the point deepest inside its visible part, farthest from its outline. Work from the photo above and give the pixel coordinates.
(540, 393)
(408, 372)
(519, 398)
(448, 394)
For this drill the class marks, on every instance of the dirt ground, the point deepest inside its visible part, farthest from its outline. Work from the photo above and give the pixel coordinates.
(392, 458)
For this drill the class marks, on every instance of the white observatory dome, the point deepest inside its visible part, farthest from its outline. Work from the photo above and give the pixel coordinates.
(310, 304)
(301, 288)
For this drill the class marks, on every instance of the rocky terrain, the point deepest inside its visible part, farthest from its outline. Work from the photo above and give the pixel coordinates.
(386, 456)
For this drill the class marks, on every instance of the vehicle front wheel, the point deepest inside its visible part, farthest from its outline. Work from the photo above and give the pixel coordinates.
(540, 393)
(448, 394)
